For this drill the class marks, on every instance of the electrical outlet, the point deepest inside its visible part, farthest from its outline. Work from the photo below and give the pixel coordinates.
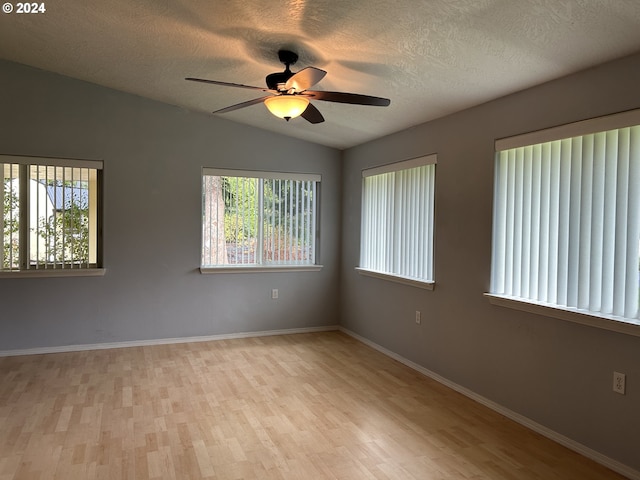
(418, 319)
(274, 293)
(619, 381)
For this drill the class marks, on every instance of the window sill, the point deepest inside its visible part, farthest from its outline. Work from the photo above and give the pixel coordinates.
(58, 272)
(261, 269)
(606, 322)
(396, 278)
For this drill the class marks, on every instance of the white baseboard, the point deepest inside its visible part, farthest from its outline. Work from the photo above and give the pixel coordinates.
(161, 341)
(610, 463)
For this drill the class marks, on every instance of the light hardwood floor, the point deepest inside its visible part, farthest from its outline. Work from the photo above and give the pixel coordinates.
(311, 406)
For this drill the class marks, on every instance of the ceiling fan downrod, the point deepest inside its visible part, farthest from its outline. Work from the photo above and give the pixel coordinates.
(275, 79)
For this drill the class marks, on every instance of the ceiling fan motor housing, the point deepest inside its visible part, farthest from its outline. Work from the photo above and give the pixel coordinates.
(288, 58)
(278, 79)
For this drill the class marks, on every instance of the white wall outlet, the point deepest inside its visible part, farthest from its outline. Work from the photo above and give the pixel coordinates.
(418, 319)
(274, 293)
(619, 381)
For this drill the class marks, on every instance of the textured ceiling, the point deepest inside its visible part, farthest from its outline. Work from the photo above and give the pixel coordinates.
(430, 57)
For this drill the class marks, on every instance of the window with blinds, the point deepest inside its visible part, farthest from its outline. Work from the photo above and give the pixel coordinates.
(51, 216)
(253, 219)
(566, 227)
(398, 219)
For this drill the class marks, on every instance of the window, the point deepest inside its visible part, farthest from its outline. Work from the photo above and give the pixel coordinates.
(397, 221)
(566, 226)
(51, 214)
(258, 219)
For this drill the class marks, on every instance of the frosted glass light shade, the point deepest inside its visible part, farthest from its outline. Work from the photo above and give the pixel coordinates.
(286, 106)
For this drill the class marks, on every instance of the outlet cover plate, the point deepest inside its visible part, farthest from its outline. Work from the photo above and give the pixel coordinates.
(619, 382)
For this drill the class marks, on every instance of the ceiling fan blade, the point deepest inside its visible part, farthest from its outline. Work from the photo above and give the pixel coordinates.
(312, 114)
(237, 106)
(227, 84)
(305, 78)
(352, 98)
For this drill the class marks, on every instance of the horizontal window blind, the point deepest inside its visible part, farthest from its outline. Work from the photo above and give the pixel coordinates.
(266, 219)
(567, 222)
(397, 219)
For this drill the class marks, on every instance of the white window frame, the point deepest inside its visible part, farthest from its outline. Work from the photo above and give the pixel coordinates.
(46, 269)
(404, 251)
(497, 295)
(261, 265)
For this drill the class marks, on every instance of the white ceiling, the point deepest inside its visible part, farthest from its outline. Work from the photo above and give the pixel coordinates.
(430, 57)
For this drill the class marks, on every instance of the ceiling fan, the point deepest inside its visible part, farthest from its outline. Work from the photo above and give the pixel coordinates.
(289, 92)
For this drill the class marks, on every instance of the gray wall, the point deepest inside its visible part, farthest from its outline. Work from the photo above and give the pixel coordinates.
(557, 373)
(153, 154)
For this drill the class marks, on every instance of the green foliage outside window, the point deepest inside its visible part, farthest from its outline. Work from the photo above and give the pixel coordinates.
(64, 235)
(11, 225)
(241, 209)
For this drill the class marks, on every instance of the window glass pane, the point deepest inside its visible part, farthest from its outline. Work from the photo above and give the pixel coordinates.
(214, 245)
(289, 222)
(59, 216)
(252, 221)
(10, 220)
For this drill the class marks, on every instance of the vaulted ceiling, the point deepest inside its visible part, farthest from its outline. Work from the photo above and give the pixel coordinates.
(430, 57)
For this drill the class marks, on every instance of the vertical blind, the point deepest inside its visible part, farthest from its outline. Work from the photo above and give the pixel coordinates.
(567, 219)
(258, 218)
(397, 219)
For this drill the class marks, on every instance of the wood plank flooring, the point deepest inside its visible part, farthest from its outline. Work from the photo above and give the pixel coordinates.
(311, 406)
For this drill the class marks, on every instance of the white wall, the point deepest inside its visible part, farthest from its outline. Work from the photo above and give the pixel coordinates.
(556, 373)
(153, 155)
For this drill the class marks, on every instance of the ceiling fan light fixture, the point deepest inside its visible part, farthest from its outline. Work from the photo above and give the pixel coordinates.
(286, 106)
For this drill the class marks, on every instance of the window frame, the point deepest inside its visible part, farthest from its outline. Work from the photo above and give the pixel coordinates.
(601, 320)
(27, 270)
(396, 167)
(264, 267)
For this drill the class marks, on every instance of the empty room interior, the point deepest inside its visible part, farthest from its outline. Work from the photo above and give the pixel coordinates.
(419, 259)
